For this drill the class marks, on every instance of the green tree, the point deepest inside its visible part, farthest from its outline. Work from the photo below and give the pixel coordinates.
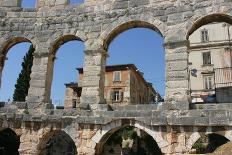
(23, 81)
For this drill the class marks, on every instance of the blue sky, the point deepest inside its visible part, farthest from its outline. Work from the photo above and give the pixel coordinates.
(140, 46)
(31, 3)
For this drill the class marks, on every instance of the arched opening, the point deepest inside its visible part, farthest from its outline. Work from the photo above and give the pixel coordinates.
(208, 143)
(210, 59)
(15, 68)
(127, 140)
(9, 142)
(28, 3)
(57, 143)
(67, 55)
(135, 70)
(209, 19)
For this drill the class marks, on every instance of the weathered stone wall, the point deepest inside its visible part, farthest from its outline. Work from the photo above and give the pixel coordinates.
(174, 132)
(96, 23)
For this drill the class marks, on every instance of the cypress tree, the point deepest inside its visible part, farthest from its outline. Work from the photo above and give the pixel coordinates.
(23, 81)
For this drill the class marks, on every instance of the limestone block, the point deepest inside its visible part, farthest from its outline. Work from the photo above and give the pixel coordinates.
(12, 3)
(61, 2)
(179, 65)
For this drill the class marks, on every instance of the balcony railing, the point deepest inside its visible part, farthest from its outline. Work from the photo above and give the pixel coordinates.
(221, 91)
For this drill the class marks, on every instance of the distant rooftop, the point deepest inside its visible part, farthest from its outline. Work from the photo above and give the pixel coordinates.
(121, 67)
(117, 67)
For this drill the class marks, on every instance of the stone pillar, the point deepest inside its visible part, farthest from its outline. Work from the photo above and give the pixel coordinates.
(93, 79)
(177, 76)
(29, 141)
(41, 78)
(68, 101)
(2, 57)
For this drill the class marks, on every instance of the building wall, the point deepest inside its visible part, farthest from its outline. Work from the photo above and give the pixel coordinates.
(123, 86)
(220, 55)
(70, 96)
(217, 32)
(139, 89)
(133, 89)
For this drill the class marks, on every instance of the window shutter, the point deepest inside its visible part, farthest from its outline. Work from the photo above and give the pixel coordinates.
(121, 95)
(206, 58)
(111, 95)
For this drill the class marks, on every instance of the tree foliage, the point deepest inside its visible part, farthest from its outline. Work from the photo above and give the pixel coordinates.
(23, 81)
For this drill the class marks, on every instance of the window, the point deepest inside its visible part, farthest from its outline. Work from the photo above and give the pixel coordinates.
(206, 58)
(204, 36)
(117, 96)
(117, 76)
(208, 82)
(74, 103)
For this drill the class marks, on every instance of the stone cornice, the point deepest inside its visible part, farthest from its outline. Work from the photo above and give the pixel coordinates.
(96, 52)
(210, 45)
(42, 55)
(176, 44)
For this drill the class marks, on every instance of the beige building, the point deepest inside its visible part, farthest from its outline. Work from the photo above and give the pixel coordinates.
(124, 84)
(210, 63)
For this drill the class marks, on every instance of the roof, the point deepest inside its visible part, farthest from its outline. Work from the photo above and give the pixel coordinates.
(72, 84)
(120, 67)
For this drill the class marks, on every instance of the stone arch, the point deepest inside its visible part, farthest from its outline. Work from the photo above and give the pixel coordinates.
(192, 140)
(50, 139)
(9, 141)
(59, 41)
(107, 130)
(194, 137)
(54, 46)
(196, 23)
(13, 41)
(120, 26)
(10, 43)
(6, 47)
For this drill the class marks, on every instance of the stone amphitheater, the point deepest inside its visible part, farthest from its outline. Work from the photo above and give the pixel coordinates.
(175, 125)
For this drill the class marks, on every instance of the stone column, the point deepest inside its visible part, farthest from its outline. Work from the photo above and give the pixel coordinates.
(29, 141)
(177, 76)
(41, 78)
(93, 79)
(2, 57)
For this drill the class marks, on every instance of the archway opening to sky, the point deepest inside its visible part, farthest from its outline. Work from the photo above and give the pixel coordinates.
(135, 68)
(77, 1)
(12, 66)
(28, 3)
(68, 57)
(210, 59)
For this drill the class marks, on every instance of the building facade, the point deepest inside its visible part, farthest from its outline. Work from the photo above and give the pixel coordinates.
(210, 62)
(124, 84)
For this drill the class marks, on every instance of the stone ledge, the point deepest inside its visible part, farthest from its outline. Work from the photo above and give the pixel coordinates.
(155, 118)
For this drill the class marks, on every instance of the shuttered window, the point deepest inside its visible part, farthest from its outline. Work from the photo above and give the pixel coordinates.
(204, 36)
(206, 58)
(208, 82)
(116, 96)
(117, 76)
